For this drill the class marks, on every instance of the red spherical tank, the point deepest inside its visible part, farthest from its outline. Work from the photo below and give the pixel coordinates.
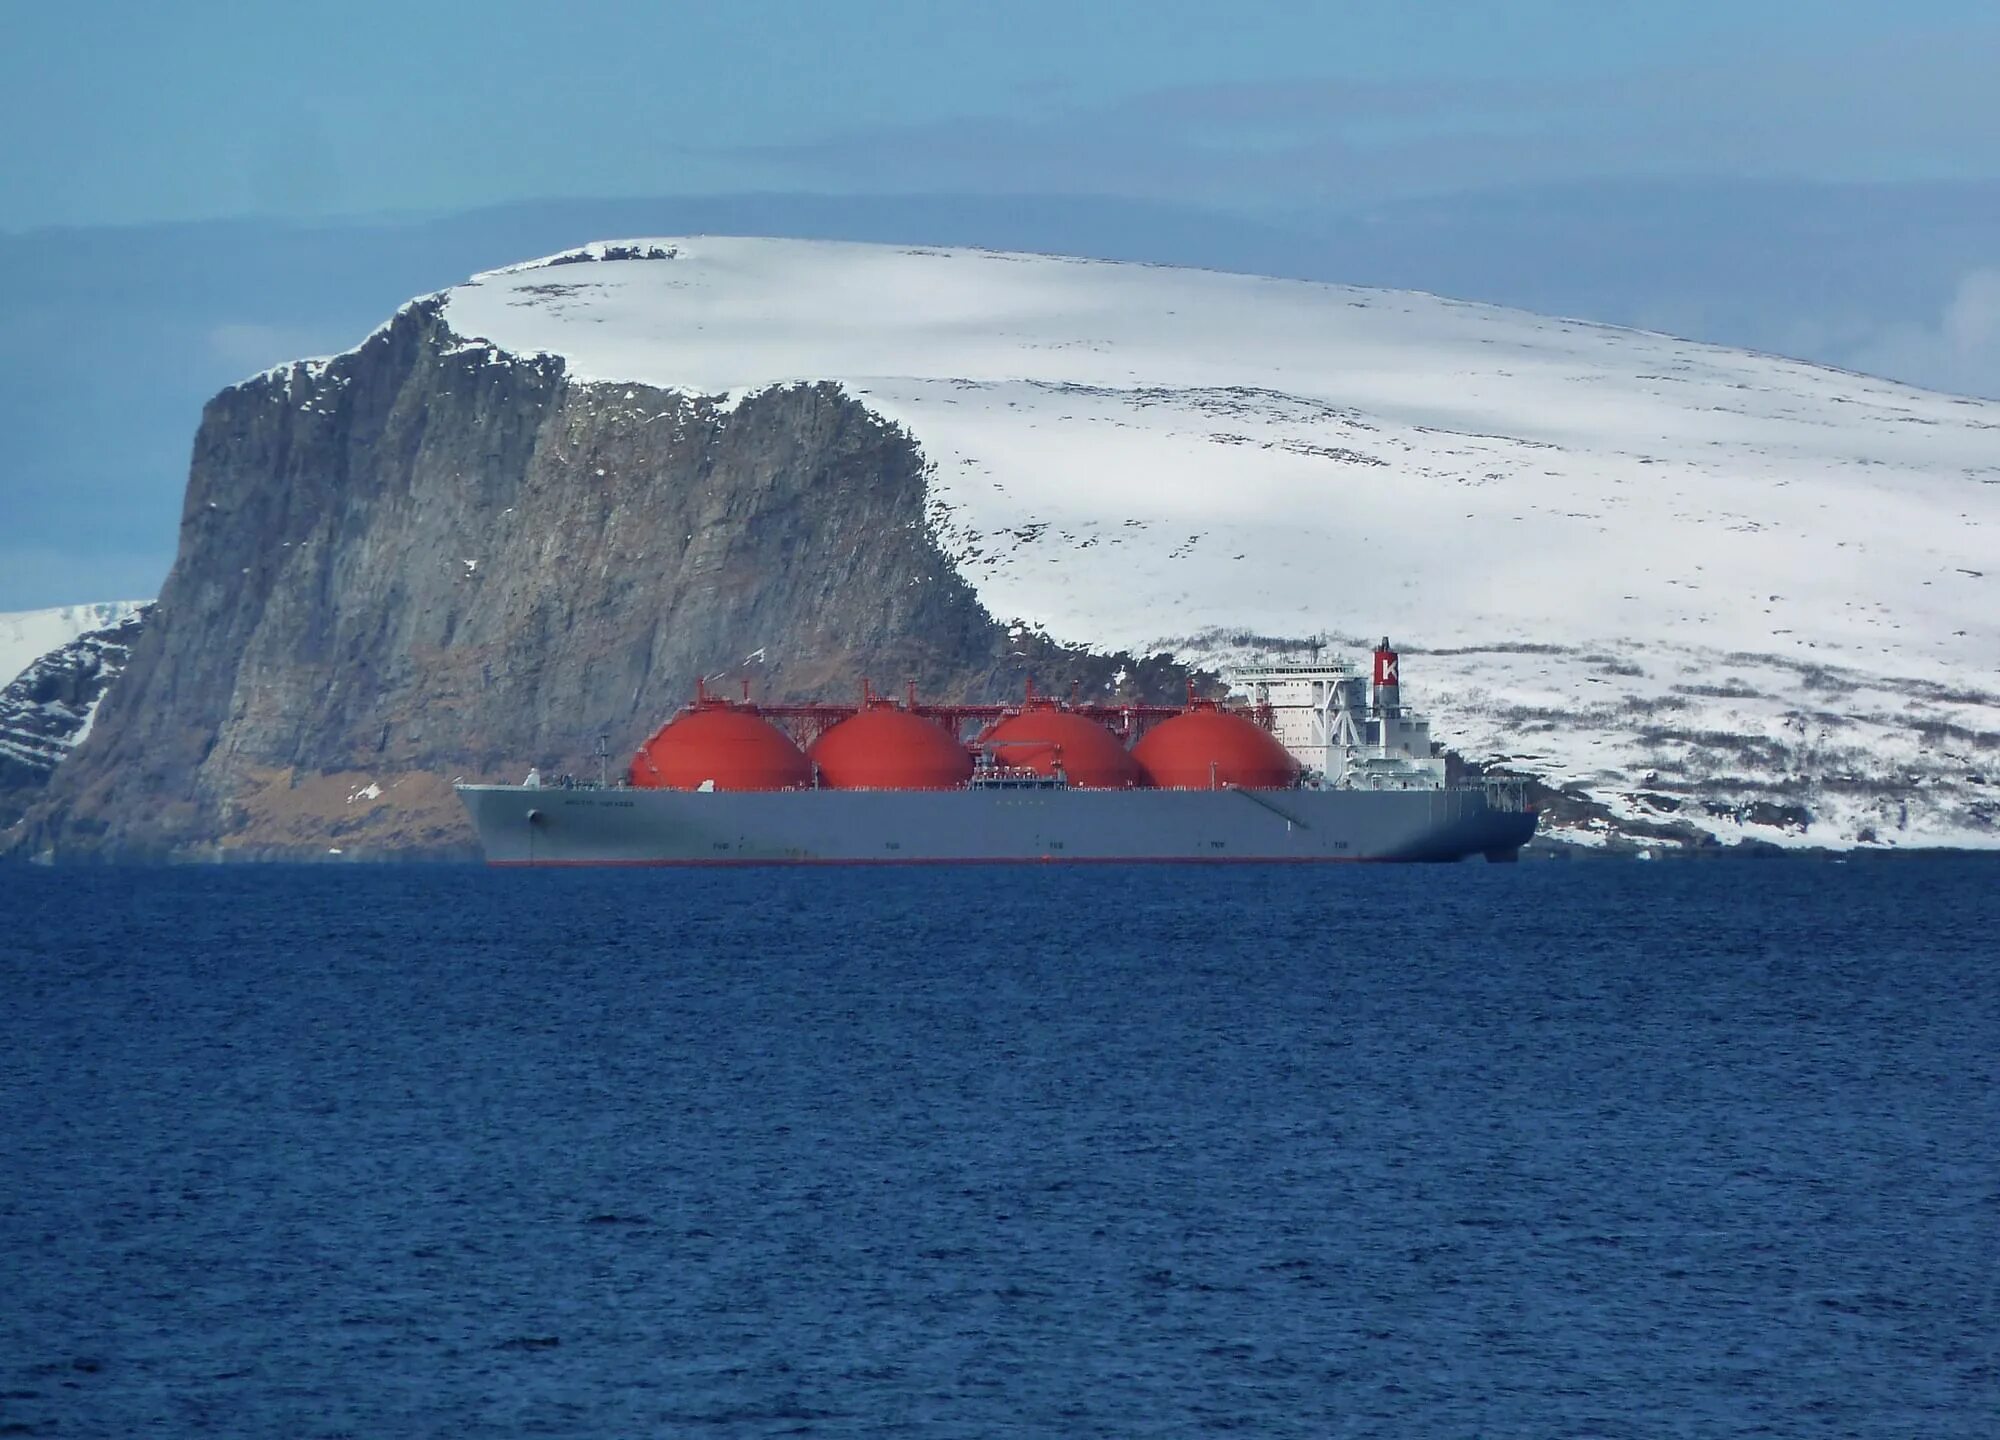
(883, 748)
(1041, 738)
(1206, 748)
(736, 749)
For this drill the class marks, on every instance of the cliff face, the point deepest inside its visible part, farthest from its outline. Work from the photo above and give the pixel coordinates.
(426, 559)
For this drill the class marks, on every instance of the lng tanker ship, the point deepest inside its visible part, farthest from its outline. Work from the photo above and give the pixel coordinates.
(1321, 762)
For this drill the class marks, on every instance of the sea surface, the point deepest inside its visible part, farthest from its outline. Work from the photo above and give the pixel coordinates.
(1589, 1149)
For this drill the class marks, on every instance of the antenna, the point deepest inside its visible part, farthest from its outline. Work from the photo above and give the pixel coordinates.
(603, 762)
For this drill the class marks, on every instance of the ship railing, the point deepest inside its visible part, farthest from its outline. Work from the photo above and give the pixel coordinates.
(582, 782)
(1012, 777)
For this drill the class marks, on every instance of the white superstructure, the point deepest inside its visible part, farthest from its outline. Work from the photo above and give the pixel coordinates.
(1349, 730)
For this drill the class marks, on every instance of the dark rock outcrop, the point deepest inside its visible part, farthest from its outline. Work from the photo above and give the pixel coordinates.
(48, 708)
(426, 559)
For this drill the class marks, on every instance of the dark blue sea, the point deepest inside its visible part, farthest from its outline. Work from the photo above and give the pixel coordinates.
(1596, 1149)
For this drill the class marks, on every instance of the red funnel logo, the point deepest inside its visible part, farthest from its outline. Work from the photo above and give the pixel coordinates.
(1385, 667)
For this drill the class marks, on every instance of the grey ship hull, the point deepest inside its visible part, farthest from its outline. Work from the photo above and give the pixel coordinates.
(554, 826)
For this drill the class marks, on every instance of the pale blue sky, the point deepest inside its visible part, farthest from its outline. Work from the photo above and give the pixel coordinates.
(137, 111)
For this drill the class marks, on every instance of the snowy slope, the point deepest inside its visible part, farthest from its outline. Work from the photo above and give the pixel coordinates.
(27, 635)
(48, 709)
(1609, 553)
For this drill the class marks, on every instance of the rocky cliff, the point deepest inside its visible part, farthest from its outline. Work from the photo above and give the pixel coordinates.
(426, 559)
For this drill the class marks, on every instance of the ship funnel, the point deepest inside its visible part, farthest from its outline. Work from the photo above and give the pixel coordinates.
(1388, 682)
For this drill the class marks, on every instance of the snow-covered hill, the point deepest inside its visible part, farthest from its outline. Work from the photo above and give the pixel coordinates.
(47, 710)
(1689, 582)
(27, 635)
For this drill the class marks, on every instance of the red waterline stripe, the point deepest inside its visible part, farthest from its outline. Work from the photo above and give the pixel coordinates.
(975, 860)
